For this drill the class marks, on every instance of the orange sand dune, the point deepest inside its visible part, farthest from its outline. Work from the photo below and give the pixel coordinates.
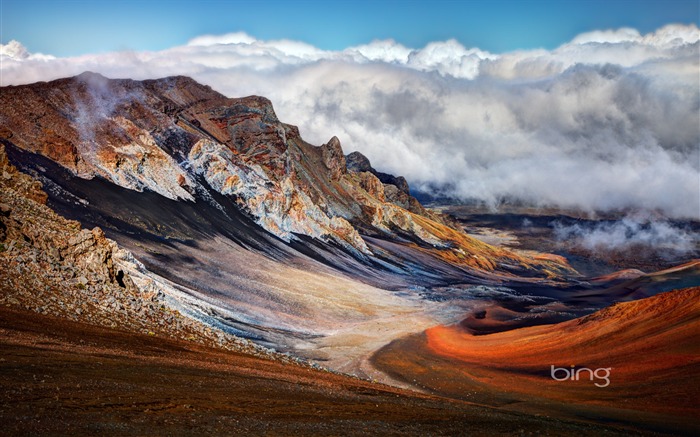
(650, 347)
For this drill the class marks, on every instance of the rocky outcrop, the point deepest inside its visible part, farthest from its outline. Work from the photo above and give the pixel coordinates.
(51, 266)
(356, 162)
(280, 208)
(395, 189)
(372, 185)
(333, 158)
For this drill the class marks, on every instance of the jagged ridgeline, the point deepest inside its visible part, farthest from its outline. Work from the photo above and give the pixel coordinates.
(192, 145)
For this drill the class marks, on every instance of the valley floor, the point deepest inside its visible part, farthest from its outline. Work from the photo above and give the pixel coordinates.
(60, 377)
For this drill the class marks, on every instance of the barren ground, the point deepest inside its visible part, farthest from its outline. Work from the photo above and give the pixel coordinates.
(60, 377)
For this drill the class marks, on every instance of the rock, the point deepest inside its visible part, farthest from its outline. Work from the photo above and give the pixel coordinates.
(98, 234)
(398, 181)
(334, 159)
(356, 162)
(396, 196)
(372, 185)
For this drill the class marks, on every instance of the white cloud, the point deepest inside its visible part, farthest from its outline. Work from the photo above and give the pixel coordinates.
(608, 36)
(229, 38)
(15, 51)
(666, 37)
(449, 58)
(607, 121)
(385, 51)
(638, 232)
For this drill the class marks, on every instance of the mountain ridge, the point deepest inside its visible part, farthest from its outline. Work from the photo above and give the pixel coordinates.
(161, 134)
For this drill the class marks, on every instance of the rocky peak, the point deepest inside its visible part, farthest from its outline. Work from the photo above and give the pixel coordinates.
(258, 105)
(334, 159)
(399, 181)
(357, 163)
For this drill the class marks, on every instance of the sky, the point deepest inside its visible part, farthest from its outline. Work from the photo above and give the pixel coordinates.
(74, 27)
(588, 105)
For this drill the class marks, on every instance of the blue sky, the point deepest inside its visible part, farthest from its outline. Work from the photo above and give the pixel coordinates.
(73, 27)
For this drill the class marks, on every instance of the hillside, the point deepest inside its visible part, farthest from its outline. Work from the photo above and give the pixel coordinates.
(647, 351)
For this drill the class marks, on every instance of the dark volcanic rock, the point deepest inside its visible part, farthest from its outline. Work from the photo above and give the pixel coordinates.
(357, 162)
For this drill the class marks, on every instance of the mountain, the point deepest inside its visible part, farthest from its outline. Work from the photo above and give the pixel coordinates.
(182, 140)
(114, 352)
(246, 225)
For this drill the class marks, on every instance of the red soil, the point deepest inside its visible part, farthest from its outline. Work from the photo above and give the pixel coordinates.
(651, 347)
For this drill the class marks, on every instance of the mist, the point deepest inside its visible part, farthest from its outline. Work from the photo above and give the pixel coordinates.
(606, 122)
(632, 233)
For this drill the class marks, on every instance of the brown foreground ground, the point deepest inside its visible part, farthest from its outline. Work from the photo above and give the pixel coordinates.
(650, 347)
(59, 377)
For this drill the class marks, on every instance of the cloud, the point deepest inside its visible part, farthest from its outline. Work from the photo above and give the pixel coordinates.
(608, 121)
(229, 38)
(15, 51)
(608, 36)
(667, 36)
(382, 50)
(632, 232)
